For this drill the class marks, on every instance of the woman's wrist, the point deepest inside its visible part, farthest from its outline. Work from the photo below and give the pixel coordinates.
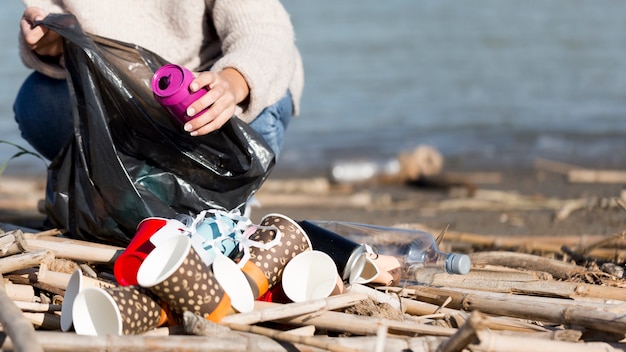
(237, 83)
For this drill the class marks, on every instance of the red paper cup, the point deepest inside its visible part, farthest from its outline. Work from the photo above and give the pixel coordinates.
(128, 263)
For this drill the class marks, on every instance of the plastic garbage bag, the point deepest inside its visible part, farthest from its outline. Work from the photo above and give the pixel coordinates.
(128, 159)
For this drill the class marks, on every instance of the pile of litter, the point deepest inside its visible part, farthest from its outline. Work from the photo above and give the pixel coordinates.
(562, 293)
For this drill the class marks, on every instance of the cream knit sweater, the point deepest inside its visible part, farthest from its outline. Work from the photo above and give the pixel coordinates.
(255, 37)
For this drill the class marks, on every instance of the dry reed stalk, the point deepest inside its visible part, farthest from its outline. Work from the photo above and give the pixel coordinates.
(498, 283)
(279, 311)
(16, 326)
(465, 335)
(491, 342)
(38, 307)
(18, 292)
(82, 251)
(558, 269)
(363, 325)
(289, 337)
(12, 243)
(552, 310)
(51, 232)
(24, 260)
(596, 176)
(419, 308)
(64, 342)
(61, 280)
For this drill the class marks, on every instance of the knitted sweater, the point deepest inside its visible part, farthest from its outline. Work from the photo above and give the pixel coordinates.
(254, 37)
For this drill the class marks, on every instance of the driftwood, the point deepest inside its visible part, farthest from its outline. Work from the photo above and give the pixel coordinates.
(491, 342)
(66, 342)
(465, 335)
(12, 243)
(494, 281)
(75, 249)
(24, 260)
(596, 176)
(17, 327)
(552, 310)
(558, 269)
(362, 325)
(275, 312)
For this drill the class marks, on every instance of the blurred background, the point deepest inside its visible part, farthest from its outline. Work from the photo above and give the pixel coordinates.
(489, 83)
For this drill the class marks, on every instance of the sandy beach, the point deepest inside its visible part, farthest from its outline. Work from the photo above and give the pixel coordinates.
(544, 199)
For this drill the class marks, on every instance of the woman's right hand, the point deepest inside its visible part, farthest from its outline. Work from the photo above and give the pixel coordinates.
(40, 39)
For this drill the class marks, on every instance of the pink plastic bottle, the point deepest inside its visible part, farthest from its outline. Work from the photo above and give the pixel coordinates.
(170, 85)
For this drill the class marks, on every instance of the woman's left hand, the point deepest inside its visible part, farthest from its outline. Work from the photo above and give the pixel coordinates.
(226, 89)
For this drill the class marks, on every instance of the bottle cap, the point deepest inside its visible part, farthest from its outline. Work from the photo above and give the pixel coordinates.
(458, 264)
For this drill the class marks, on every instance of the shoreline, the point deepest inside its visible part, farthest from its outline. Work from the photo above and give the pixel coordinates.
(498, 201)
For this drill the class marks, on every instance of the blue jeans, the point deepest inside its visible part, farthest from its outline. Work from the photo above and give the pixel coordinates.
(43, 113)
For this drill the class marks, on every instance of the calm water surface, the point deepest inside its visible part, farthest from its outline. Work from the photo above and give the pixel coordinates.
(486, 80)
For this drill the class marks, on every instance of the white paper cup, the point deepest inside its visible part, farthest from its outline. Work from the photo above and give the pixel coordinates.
(234, 283)
(123, 310)
(76, 284)
(309, 275)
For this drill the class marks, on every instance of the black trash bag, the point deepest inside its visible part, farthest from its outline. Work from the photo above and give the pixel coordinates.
(128, 159)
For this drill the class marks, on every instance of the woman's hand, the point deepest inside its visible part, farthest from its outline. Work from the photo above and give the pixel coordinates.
(226, 89)
(40, 39)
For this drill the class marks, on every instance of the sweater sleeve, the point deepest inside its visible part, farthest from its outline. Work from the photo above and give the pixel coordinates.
(258, 41)
(29, 57)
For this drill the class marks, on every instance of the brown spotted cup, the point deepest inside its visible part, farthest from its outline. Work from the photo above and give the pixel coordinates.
(175, 273)
(124, 310)
(265, 266)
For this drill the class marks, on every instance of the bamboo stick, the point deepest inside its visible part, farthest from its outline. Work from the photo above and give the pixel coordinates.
(23, 261)
(495, 323)
(76, 249)
(559, 270)
(64, 342)
(278, 311)
(465, 335)
(285, 336)
(543, 309)
(13, 322)
(37, 307)
(18, 292)
(362, 325)
(61, 280)
(498, 283)
(491, 342)
(596, 176)
(11, 243)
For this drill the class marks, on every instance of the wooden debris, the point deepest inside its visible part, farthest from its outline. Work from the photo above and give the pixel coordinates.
(596, 176)
(15, 324)
(508, 301)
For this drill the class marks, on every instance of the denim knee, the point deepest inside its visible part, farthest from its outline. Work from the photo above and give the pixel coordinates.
(43, 113)
(273, 121)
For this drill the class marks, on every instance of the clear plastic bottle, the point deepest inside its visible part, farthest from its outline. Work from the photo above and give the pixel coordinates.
(420, 258)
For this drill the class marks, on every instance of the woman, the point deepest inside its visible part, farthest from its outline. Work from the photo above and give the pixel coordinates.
(244, 51)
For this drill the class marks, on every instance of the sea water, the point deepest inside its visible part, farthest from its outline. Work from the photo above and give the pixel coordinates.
(486, 81)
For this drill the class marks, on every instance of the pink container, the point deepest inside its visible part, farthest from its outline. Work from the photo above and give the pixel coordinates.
(170, 85)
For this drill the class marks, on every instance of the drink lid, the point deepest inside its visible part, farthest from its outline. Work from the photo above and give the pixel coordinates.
(167, 80)
(458, 264)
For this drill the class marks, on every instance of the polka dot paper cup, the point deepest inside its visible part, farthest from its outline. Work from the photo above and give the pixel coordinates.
(175, 273)
(265, 265)
(124, 310)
